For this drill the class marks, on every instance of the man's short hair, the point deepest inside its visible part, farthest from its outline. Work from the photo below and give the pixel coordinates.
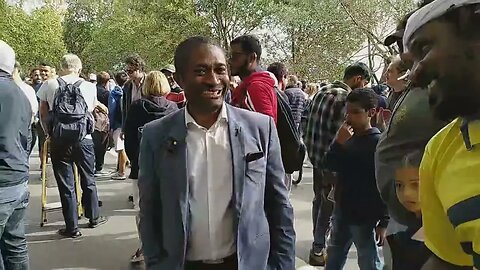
(71, 62)
(402, 65)
(357, 69)
(278, 69)
(121, 78)
(102, 78)
(44, 64)
(365, 97)
(183, 52)
(293, 81)
(249, 44)
(136, 61)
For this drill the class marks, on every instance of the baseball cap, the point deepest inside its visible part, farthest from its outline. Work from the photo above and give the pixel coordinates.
(396, 36)
(92, 77)
(170, 68)
(430, 12)
(7, 58)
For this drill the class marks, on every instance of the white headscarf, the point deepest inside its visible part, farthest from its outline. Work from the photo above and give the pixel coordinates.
(431, 12)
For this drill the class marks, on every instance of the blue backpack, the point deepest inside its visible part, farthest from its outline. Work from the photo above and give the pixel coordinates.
(70, 120)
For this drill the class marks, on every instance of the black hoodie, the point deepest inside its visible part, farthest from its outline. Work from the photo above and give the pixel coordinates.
(140, 113)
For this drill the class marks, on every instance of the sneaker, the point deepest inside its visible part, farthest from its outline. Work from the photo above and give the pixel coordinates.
(97, 222)
(118, 176)
(68, 234)
(137, 257)
(317, 259)
(102, 174)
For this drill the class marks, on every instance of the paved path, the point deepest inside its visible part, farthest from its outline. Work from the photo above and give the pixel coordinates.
(110, 246)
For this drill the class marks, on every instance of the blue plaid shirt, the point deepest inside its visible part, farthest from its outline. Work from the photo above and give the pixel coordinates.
(326, 115)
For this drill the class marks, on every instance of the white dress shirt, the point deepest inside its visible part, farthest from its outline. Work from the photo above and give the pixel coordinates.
(210, 180)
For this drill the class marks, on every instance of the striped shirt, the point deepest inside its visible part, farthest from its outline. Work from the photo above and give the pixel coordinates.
(326, 115)
(298, 103)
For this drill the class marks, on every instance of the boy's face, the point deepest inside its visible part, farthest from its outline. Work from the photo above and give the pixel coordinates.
(406, 185)
(358, 117)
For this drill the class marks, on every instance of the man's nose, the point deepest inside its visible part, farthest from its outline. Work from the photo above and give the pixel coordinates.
(211, 78)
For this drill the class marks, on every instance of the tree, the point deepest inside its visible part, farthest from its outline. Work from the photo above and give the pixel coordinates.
(232, 18)
(319, 38)
(152, 29)
(36, 37)
(82, 18)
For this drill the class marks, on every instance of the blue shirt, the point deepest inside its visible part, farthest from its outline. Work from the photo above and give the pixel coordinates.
(356, 192)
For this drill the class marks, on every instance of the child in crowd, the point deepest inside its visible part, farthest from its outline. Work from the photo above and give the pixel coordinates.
(407, 248)
(360, 216)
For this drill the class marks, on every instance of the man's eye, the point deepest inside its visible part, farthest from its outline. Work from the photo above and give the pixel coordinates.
(426, 49)
(221, 70)
(200, 71)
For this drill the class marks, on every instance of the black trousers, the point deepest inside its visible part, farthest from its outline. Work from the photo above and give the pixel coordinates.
(406, 252)
(100, 142)
(82, 154)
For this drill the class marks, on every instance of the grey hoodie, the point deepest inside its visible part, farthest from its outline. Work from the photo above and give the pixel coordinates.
(411, 127)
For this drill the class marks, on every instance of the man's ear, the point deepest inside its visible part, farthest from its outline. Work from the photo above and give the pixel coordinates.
(178, 78)
(252, 58)
(372, 112)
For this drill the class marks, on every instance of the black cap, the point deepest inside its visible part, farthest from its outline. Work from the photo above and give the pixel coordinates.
(397, 36)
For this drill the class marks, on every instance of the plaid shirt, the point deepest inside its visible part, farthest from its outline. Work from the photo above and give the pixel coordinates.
(326, 115)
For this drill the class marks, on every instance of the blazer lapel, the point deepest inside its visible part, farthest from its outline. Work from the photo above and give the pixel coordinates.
(238, 153)
(176, 163)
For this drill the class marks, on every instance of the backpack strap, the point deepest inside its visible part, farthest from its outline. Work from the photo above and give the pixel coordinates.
(61, 82)
(77, 83)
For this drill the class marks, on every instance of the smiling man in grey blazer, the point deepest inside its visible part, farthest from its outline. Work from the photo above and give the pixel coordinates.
(211, 185)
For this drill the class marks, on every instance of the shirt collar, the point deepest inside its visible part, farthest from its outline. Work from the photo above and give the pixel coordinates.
(222, 116)
(470, 129)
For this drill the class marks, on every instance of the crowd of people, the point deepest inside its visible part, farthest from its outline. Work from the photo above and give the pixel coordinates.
(212, 142)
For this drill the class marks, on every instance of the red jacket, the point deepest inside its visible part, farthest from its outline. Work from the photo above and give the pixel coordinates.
(257, 93)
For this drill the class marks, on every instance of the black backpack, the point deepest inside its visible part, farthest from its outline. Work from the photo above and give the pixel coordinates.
(70, 120)
(293, 149)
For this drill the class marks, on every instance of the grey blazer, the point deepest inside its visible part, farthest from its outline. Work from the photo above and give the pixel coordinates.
(263, 213)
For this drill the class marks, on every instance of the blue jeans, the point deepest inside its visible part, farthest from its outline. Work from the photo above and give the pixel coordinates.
(321, 209)
(82, 154)
(343, 235)
(13, 244)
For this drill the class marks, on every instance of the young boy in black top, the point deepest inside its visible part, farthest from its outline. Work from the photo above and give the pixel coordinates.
(360, 217)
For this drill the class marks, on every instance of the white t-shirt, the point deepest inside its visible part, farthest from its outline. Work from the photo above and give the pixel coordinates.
(49, 88)
(89, 92)
(30, 94)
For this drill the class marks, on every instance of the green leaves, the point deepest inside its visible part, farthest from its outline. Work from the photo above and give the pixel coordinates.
(317, 38)
(35, 37)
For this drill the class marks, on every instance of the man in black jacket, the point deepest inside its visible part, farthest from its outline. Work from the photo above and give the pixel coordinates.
(15, 116)
(132, 90)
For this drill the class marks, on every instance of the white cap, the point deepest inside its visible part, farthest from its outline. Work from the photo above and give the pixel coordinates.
(7, 58)
(92, 77)
(429, 13)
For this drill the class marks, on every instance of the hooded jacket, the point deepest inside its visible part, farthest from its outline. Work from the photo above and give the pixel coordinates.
(257, 93)
(114, 108)
(140, 113)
